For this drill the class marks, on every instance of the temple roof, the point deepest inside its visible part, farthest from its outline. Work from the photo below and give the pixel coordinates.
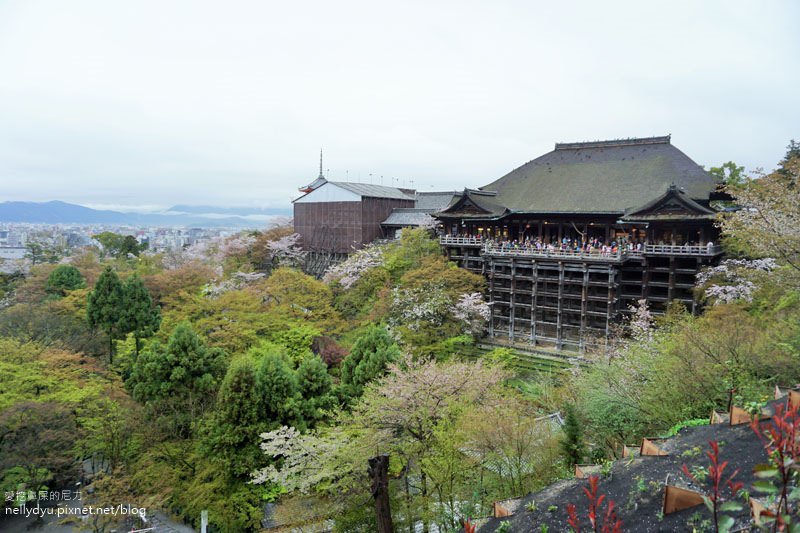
(363, 190)
(403, 217)
(601, 177)
(475, 204)
(672, 204)
(434, 200)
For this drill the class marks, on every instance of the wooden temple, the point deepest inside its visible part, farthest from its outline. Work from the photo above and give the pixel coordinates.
(571, 239)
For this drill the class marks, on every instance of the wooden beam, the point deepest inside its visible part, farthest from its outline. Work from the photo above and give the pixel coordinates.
(649, 448)
(559, 334)
(739, 416)
(677, 499)
(534, 299)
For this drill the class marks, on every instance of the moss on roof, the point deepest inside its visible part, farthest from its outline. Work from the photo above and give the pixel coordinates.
(601, 177)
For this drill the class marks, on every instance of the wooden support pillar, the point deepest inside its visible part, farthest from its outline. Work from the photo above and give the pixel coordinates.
(584, 304)
(610, 304)
(559, 335)
(534, 294)
(671, 288)
(512, 310)
(379, 473)
(697, 268)
(492, 296)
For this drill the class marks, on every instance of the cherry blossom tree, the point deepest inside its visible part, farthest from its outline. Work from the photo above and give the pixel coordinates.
(286, 251)
(768, 223)
(348, 272)
(473, 311)
(733, 279)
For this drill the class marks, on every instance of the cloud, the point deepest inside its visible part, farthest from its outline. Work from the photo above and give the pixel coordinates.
(209, 102)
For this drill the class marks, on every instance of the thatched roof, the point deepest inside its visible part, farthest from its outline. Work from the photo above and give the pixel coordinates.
(601, 177)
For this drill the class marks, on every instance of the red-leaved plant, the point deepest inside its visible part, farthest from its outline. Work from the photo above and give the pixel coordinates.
(781, 439)
(610, 523)
(717, 501)
(469, 527)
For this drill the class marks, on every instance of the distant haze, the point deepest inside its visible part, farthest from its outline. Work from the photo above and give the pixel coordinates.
(153, 103)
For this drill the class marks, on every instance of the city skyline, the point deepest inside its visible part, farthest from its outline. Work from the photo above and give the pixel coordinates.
(134, 107)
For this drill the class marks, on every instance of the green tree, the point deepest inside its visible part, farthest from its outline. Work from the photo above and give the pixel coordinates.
(106, 308)
(233, 436)
(368, 359)
(297, 341)
(414, 247)
(117, 245)
(730, 174)
(131, 246)
(39, 438)
(278, 392)
(767, 226)
(314, 386)
(178, 382)
(572, 443)
(141, 318)
(39, 253)
(64, 278)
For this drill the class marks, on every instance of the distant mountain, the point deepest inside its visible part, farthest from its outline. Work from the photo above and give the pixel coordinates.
(57, 212)
(235, 211)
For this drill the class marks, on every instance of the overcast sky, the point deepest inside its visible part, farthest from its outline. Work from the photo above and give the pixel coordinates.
(228, 103)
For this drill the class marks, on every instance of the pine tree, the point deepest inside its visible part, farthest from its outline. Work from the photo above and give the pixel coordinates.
(64, 278)
(106, 308)
(572, 443)
(278, 390)
(234, 434)
(314, 386)
(141, 318)
(368, 359)
(178, 382)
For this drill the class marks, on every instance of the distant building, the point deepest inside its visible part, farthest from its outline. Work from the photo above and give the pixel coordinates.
(421, 215)
(12, 253)
(571, 239)
(338, 217)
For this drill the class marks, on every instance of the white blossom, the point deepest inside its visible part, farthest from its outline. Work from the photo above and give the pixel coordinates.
(729, 281)
(473, 311)
(641, 321)
(413, 307)
(236, 282)
(287, 250)
(348, 272)
(303, 460)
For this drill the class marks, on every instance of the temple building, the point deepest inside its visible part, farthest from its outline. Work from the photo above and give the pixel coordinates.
(570, 240)
(334, 218)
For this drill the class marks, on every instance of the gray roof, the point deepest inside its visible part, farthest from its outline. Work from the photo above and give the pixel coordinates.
(673, 204)
(373, 191)
(601, 177)
(434, 201)
(474, 204)
(408, 217)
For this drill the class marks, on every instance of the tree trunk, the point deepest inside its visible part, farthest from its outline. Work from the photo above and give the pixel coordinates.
(408, 500)
(379, 472)
(424, 492)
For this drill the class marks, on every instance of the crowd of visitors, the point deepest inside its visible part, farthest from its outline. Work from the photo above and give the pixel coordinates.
(569, 245)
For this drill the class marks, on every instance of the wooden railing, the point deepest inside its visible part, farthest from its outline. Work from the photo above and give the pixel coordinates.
(594, 255)
(492, 248)
(451, 240)
(668, 249)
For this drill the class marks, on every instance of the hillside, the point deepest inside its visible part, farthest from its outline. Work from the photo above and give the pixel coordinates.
(637, 484)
